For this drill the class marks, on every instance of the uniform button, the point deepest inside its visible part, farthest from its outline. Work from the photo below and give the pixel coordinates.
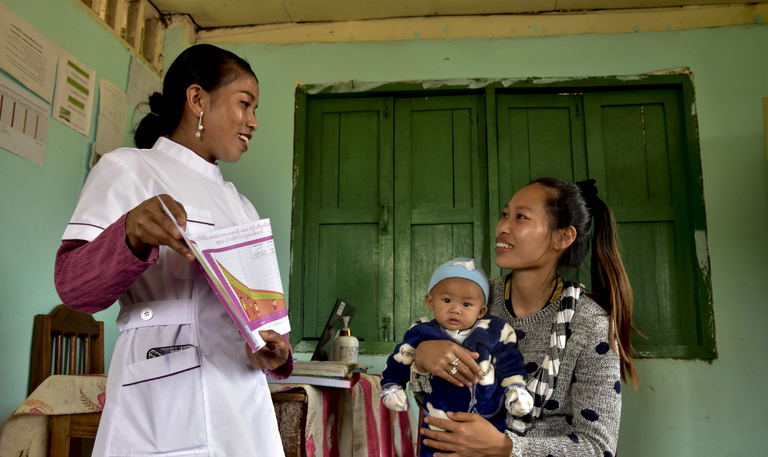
(126, 318)
(146, 314)
(262, 381)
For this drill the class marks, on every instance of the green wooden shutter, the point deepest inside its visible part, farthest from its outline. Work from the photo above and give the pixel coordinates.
(348, 246)
(636, 151)
(540, 135)
(440, 194)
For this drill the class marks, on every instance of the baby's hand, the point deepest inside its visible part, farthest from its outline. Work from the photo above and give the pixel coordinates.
(518, 402)
(394, 398)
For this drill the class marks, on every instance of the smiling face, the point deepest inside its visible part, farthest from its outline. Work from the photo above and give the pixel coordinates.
(229, 120)
(457, 303)
(523, 235)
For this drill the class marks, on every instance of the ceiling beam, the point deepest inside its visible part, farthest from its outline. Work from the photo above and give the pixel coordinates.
(496, 26)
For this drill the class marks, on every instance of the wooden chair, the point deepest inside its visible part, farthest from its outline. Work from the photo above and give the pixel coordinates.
(68, 342)
(72, 435)
(74, 341)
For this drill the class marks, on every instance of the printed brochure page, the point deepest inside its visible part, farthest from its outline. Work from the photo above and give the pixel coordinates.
(240, 263)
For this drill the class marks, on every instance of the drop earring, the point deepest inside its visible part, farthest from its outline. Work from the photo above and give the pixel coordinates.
(199, 125)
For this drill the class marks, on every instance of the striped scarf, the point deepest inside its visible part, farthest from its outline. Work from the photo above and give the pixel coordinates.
(541, 384)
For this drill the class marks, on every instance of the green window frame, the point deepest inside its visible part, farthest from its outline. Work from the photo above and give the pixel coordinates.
(599, 117)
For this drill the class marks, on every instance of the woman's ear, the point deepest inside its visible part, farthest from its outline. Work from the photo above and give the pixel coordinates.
(567, 237)
(196, 99)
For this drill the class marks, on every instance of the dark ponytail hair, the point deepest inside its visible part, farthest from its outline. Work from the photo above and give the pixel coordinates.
(206, 65)
(570, 204)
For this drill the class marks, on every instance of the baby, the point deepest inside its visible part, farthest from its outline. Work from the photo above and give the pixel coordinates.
(458, 295)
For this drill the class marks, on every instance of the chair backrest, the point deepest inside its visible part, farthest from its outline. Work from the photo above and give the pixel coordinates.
(66, 342)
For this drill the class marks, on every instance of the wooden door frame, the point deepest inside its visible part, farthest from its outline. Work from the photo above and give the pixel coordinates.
(679, 79)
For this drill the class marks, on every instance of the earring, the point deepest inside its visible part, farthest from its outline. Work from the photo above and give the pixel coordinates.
(199, 125)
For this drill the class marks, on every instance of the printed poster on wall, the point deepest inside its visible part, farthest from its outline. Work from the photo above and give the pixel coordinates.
(26, 54)
(23, 121)
(142, 83)
(110, 132)
(73, 100)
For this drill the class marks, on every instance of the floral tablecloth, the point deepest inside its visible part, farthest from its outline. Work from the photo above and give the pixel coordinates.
(353, 422)
(25, 432)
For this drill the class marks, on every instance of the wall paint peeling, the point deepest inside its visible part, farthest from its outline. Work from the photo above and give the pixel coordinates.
(702, 253)
(355, 86)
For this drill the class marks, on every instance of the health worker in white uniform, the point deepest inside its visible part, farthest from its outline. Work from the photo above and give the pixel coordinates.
(209, 396)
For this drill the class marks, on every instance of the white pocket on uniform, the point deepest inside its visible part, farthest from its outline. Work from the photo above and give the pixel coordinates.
(198, 221)
(161, 406)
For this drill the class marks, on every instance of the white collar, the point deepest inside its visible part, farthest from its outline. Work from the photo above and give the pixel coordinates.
(188, 157)
(459, 335)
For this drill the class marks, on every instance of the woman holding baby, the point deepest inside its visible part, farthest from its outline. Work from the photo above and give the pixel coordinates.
(576, 347)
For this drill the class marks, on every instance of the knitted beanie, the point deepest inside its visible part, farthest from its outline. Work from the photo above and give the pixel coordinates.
(461, 267)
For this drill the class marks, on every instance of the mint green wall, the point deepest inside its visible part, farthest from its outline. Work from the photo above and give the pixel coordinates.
(682, 408)
(37, 202)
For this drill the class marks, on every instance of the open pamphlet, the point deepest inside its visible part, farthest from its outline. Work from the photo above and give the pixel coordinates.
(241, 265)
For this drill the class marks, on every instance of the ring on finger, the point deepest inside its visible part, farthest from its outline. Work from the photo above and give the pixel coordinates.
(455, 362)
(453, 371)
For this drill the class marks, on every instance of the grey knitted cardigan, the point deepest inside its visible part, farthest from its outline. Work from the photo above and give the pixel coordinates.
(582, 417)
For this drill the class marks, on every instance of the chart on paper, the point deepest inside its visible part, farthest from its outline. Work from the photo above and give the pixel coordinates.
(17, 113)
(252, 272)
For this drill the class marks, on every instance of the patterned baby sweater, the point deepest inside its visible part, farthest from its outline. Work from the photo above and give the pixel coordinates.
(494, 340)
(582, 417)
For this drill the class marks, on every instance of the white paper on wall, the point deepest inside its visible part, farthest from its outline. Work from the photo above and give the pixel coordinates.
(111, 124)
(142, 83)
(73, 99)
(23, 121)
(27, 54)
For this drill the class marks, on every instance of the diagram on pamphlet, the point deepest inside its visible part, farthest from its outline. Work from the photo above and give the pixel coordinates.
(256, 303)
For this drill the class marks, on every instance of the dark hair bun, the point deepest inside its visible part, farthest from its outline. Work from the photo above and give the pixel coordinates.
(589, 191)
(156, 104)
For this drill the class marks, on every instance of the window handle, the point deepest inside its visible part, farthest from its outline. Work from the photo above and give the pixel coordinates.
(384, 218)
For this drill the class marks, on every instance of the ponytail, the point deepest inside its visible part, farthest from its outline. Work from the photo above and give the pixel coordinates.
(575, 205)
(206, 65)
(611, 287)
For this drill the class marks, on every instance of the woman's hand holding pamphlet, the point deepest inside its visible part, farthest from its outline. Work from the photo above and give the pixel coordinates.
(241, 265)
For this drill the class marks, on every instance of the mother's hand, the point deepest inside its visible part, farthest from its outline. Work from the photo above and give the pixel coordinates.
(148, 225)
(466, 435)
(440, 357)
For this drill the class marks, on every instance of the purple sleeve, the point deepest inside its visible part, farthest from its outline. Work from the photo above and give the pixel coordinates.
(91, 275)
(286, 369)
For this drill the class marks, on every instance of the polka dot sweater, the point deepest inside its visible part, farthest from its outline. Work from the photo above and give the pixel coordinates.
(582, 417)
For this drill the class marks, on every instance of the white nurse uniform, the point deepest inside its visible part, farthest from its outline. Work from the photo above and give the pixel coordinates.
(203, 401)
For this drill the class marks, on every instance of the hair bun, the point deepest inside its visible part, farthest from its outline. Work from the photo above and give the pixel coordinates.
(588, 190)
(157, 104)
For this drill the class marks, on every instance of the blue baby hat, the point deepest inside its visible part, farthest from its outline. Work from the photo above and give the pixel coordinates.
(460, 267)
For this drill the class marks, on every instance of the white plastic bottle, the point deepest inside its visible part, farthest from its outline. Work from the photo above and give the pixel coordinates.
(345, 346)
